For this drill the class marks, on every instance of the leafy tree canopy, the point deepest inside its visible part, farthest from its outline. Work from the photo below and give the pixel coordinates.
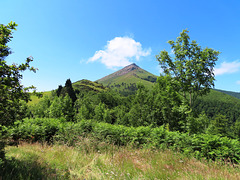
(191, 66)
(11, 91)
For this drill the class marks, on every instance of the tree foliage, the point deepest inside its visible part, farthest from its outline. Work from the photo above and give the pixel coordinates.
(59, 90)
(11, 91)
(191, 66)
(70, 90)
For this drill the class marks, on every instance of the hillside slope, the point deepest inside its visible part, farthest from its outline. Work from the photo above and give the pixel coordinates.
(231, 93)
(83, 85)
(87, 85)
(125, 79)
(217, 102)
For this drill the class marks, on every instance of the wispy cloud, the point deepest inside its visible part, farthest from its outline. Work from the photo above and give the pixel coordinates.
(238, 82)
(227, 68)
(160, 70)
(120, 52)
(172, 52)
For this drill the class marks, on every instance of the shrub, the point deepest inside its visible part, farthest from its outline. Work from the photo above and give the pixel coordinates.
(200, 146)
(70, 132)
(36, 129)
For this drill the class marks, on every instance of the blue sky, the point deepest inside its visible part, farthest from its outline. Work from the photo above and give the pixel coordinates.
(90, 39)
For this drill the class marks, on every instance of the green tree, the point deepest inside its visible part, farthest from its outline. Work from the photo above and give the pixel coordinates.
(172, 108)
(140, 112)
(121, 115)
(85, 107)
(107, 117)
(70, 90)
(68, 109)
(41, 109)
(62, 107)
(191, 66)
(99, 112)
(12, 93)
(197, 125)
(237, 128)
(59, 90)
(56, 108)
(220, 125)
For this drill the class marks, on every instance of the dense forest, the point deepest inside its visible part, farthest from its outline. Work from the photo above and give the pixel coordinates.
(179, 112)
(211, 114)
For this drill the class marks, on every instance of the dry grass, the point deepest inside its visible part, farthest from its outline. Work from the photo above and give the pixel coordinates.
(104, 161)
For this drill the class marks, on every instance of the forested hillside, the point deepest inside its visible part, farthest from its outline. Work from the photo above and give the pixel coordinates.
(217, 102)
(231, 93)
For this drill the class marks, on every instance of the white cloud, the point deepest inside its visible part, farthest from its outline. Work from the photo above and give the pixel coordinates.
(160, 70)
(119, 52)
(227, 68)
(238, 82)
(172, 52)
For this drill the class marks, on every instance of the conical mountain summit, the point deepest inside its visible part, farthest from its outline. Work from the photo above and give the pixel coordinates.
(129, 74)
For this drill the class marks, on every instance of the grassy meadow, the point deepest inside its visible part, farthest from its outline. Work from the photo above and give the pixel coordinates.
(96, 160)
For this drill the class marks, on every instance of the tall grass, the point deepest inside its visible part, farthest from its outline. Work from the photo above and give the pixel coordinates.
(91, 159)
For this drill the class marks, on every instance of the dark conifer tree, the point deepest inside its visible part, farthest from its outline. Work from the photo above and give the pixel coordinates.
(70, 90)
(59, 90)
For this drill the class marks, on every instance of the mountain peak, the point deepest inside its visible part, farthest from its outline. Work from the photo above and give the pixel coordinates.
(122, 71)
(127, 69)
(133, 64)
(130, 74)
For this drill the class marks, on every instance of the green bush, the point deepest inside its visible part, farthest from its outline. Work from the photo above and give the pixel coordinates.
(36, 129)
(200, 146)
(69, 133)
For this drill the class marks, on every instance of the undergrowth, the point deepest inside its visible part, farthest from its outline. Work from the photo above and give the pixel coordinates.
(211, 147)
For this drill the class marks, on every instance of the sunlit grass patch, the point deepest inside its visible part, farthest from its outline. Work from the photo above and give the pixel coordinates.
(93, 160)
(35, 99)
